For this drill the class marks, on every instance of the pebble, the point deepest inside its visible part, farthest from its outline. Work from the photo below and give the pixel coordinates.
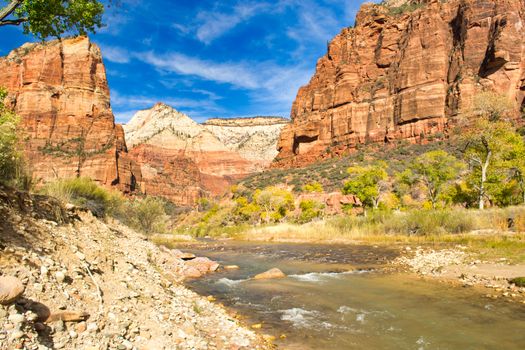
(81, 327)
(17, 334)
(92, 327)
(17, 318)
(80, 255)
(60, 276)
(59, 326)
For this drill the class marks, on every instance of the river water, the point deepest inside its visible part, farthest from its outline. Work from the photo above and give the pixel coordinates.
(337, 297)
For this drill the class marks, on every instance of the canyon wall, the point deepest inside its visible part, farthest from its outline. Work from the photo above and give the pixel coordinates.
(60, 91)
(405, 74)
(183, 160)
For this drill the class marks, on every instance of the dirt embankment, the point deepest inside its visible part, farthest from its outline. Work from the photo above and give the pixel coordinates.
(91, 285)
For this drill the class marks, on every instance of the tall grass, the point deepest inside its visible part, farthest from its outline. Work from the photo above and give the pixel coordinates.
(144, 214)
(400, 225)
(86, 193)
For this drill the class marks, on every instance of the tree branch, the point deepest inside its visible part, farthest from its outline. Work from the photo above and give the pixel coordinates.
(9, 9)
(13, 22)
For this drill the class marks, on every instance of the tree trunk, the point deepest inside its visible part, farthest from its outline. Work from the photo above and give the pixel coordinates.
(484, 169)
(9, 9)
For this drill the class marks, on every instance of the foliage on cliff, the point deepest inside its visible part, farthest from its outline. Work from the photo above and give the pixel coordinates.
(52, 18)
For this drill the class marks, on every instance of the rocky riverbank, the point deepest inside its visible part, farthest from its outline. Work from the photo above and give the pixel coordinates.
(91, 285)
(460, 267)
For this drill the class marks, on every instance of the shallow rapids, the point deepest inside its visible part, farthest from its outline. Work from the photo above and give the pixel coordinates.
(343, 300)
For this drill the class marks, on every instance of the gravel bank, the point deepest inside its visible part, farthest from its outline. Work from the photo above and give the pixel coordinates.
(91, 285)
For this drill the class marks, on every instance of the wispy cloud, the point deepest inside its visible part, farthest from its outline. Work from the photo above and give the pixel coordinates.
(214, 24)
(125, 106)
(237, 74)
(115, 54)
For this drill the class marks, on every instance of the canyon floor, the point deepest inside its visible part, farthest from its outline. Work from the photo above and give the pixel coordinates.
(92, 285)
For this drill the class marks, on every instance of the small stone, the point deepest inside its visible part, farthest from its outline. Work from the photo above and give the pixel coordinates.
(60, 276)
(80, 255)
(92, 327)
(31, 316)
(231, 267)
(44, 271)
(17, 334)
(38, 287)
(73, 334)
(17, 319)
(59, 326)
(81, 327)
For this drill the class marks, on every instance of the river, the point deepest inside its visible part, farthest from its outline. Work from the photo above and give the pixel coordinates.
(339, 297)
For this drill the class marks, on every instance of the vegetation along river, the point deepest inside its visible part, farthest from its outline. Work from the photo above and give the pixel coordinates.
(337, 297)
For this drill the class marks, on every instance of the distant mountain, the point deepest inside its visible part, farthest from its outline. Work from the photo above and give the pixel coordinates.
(183, 160)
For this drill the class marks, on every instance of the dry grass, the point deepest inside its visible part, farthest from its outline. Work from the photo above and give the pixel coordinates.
(485, 233)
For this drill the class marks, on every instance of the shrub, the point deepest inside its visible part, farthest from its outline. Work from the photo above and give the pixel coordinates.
(310, 210)
(519, 281)
(313, 187)
(86, 193)
(147, 215)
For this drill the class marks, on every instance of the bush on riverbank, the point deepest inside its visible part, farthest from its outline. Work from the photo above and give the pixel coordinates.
(414, 223)
(146, 214)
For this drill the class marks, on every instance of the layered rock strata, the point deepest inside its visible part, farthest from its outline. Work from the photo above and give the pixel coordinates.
(255, 139)
(60, 91)
(404, 74)
(183, 160)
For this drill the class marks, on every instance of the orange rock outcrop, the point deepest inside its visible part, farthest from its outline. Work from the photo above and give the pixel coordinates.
(405, 76)
(60, 91)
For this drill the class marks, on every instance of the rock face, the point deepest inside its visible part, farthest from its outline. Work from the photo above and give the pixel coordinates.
(183, 160)
(255, 139)
(60, 91)
(405, 76)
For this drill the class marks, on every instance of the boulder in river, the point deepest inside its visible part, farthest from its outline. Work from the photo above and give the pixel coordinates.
(11, 288)
(270, 274)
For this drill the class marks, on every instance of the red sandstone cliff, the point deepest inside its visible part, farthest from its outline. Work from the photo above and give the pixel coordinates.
(60, 91)
(405, 76)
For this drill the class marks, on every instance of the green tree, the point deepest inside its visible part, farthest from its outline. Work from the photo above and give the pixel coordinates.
(367, 183)
(47, 18)
(274, 202)
(490, 149)
(434, 170)
(10, 158)
(247, 211)
(310, 210)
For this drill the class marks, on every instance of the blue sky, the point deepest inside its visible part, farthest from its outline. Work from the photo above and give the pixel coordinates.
(212, 58)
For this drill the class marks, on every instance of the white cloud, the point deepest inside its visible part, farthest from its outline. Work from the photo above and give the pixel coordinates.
(115, 54)
(213, 24)
(125, 106)
(237, 74)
